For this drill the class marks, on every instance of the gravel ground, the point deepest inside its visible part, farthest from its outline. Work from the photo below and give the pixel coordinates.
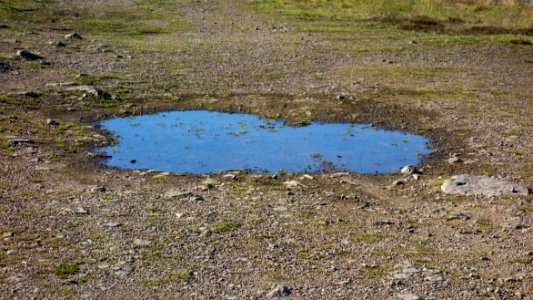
(72, 228)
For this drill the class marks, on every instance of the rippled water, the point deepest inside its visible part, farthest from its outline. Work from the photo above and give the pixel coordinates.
(200, 142)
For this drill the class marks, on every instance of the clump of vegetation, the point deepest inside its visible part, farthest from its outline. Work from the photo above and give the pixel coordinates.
(440, 181)
(523, 260)
(420, 251)
(374, 271)
(484, 223)
(369, 238)
(64, 270)
(225, 225)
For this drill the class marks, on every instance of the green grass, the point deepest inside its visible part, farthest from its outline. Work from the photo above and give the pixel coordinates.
(523, 260)
(375, 271)
(419, 251)
(369, 238)
(525, 208)
(484, 223)
(14, 8)
(428, 22)
(418, 12)
(110, 19)
(225, 225)
(64, 270)
(440, 181)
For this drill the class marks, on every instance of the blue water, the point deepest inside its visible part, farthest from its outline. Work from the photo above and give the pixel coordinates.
(200, 142)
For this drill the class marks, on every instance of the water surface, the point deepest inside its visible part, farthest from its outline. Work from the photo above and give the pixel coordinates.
(200, 142)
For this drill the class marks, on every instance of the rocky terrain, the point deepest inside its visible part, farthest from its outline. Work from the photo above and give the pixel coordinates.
(73, 229)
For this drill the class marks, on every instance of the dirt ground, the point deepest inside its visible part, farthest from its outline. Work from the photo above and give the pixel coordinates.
(73, 229)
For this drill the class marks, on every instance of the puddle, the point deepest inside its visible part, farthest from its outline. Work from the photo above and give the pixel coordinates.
(200, 142)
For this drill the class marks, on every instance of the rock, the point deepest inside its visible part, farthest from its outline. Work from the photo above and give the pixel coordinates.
(293, 184)
(177, 194)
(196, 198)
(468, 185)
(91, 90)
(52, 122)
(416, 176)
(25, 151)
(98, 155)
(306, 176)
(339, 174)
(57, 44)
(73, 36)
(383, 223)
(280, 209)
(141, 242)
(28, 55)
(3, 26)
(87, 243)
(61, 84)
(364, 205)
(399, 182)
(112, 224)
(11, 41)
(428, 275)
(98, 189)
(229, 176)
(4, 67)
(209, 183)
(408, 296)
(17, 141)
(80, 211)
(11, 252)
(410, 270)
(457, 216)
(279, 292)
(341, 97)
(407, 170)
(203, 188)
(160, 175)
(454, 160)
(400, 276)
(31, 94)
(123, 273)
(432, 275)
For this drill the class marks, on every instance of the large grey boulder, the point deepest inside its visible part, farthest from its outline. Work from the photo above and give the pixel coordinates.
(469, 185)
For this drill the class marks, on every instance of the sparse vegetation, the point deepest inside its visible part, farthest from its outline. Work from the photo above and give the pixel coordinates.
(369, 238)
(64, 270)
(225, 225)
(476, 16)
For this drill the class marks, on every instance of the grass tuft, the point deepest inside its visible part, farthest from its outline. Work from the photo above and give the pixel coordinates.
(225, 225)
(64, 270)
